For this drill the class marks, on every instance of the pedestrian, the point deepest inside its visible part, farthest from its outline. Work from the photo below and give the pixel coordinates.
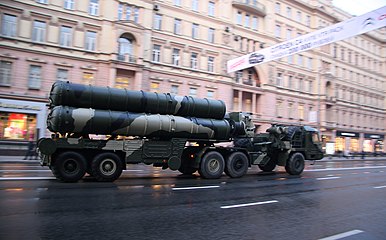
(31, 150)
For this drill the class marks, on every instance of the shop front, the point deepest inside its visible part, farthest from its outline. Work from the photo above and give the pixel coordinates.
(373, 143)
(20, 122)
(347, 142)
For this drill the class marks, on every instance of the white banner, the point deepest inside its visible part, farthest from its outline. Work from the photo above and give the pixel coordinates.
(351, 27)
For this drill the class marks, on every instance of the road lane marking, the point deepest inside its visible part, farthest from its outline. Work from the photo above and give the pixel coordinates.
(249, 204)
(380, 187)
(192, 188)
(338, 169)
(342, 235)
(327, 178)
(25, 178)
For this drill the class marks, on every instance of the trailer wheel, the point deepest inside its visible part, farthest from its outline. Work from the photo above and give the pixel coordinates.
(69, 167)
(268, 167)
(106, 167)
(212, 165)
(236, 165)
(295, 164)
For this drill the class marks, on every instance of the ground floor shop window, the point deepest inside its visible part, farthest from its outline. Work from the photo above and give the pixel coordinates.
(339, 144)
(17, 126)
(354, 145)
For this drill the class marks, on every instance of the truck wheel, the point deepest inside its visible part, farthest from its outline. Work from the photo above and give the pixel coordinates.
(212, 165)
(236, 165)
(69, 167)
(268, 167)
(295, 164)
(106, 167)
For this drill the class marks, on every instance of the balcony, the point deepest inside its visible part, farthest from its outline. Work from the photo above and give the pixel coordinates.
(126, 58)
(252, 6)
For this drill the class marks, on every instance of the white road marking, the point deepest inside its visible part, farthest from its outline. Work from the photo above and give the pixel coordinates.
(192, 188)
(327, 178)
(25, 178)
(249, 204)
(338, 169)
(342, 235)
(380, 187)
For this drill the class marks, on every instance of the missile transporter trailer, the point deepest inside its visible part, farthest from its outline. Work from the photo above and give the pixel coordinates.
(179, 133)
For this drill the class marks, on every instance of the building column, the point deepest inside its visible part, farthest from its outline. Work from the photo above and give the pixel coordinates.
(240, 101)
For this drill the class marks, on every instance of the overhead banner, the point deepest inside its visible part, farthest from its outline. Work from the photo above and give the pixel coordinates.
(351, 27)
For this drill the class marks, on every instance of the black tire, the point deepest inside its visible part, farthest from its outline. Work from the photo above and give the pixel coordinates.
(69, 167)
(106, 167)
(236, 165)
(269, 166)
(187, 163)
(212, 165)
(295, 164)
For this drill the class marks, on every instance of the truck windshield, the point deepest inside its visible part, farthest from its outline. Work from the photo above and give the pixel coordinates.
(315, 137)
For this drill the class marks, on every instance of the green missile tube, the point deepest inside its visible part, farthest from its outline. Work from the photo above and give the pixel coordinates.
(63, 119)
(106, 98)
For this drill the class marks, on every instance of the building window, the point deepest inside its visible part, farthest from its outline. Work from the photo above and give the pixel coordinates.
(90, 41)
(195, 5)
(120, 11)
(69, 4)
(5, 73)
(290, 79)
(65, 36)
(125, 48)
(34, 79)
(300, 60)
(177, 26)
(289, 12)
(39, 31)
(93, 7)
(128, 13)
(42, 1)
(211, 64)
(246, 23)
(177, 3)
(176, 57)
(277, 8)
(154, 87)
(195, 31)
(8, 26)
(239, 76)
(136, 15)
(255, 23)
(300, 84)
(157, 21)
(301, 112)
(62, 75)
(17, 126)
(193, 91)
(211, 35)
(298, 16)
(279, 79)
(308, 21)
(88, 78)
(211, 8)
(174, 89)
(239, 18)
(279, 109)
(278, 31)
(193, 61)
(291, 110)
(156, 53)
(289, 34)
(210, 94)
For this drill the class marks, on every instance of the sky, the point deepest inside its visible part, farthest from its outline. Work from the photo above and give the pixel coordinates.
(359, 7)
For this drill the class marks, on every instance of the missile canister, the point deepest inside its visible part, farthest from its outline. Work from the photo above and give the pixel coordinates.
(63, 119)
(106, 98)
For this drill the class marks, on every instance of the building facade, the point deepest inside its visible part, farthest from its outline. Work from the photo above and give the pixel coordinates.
(182, 46)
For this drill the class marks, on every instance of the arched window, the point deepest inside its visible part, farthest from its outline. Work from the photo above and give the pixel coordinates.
(125, 46)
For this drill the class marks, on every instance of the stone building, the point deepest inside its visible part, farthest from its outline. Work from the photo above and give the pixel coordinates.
(182, 46)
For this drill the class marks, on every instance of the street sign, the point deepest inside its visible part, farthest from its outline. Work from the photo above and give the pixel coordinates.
(349, 28)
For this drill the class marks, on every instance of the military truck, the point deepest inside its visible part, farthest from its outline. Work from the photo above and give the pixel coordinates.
(99, 130)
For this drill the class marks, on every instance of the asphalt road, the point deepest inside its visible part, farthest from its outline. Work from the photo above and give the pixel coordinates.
(333, 200)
